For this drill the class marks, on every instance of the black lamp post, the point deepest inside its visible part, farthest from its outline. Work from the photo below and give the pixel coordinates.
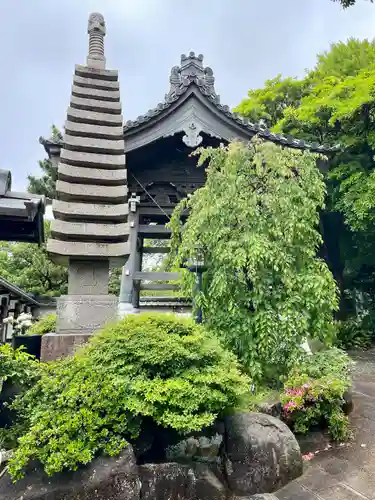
(198, 267)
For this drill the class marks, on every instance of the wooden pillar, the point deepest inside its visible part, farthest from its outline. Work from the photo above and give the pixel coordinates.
(3, 314)
(128, 300)
(137, 267)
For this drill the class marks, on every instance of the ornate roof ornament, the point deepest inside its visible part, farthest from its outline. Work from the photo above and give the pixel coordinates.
(192, 139)
(191, 71)
(96, 30)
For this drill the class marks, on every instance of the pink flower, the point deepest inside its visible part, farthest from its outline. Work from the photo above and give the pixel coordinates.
(294, 392)
(290, 405)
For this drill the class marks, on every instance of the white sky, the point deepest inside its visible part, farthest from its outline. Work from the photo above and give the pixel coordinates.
(244, 41)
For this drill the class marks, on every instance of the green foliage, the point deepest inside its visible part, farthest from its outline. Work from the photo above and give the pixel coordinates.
(337, 107)
(314, 394)
(331, 362)
(46, 324)
(46, 184)
(255, 224)
(29, 267)
(344, 59)
(354, 333)
(17, 366)
(270, 102)
(155, 365)
(252, 401)
(115, 281)
(21, 371)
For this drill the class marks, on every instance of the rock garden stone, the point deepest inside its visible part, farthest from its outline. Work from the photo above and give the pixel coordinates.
(180, 482)
(348, 401)
(272, 408)
(200, 449)
(262, 454)
(107, 478)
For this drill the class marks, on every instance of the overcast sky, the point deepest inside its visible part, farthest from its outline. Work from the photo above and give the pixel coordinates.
(244, 41)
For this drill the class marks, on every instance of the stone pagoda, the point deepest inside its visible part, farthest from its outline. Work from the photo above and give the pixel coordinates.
(90, 230)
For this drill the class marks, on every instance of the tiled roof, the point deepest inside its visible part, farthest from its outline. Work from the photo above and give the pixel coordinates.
(192, 74)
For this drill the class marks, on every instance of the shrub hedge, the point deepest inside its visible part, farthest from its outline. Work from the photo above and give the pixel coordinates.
(154, 365)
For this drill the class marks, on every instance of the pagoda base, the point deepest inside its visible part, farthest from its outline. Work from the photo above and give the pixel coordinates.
(84, 314)
(59, 345)
(77, 318)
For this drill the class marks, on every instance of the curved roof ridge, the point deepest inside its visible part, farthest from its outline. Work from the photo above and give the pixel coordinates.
(191, 72)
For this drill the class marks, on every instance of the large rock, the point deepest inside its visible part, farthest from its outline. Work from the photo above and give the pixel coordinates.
(180, 482)
(107, 478)
(262, 454)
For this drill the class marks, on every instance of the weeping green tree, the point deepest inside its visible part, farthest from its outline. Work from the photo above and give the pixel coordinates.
(255, 224)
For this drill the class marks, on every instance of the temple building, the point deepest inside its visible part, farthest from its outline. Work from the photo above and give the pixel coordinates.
(21, 214)
(160, 168)
(21, 219)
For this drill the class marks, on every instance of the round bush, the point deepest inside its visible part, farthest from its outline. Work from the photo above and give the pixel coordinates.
(154, 365)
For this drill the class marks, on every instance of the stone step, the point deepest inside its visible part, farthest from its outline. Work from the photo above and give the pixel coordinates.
(83, 231)
(95, 131)
(99, 176)
(66, 210)
(113, 108)
(68, 191)
(102, 95)
(90, 160)
(63, 250)
(94, 118)
(97, 74)
(317, 483)
(94, 83)
(94, 145)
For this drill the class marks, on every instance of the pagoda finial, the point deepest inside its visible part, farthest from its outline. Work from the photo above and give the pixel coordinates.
(96, 30)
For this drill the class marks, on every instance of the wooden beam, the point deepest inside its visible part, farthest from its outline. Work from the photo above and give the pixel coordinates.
(156, 249)
(156, 276)
(159, 286)
(154, 231)
(154, 210)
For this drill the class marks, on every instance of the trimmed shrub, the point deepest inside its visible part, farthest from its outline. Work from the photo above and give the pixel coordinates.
(154, 365)
(18, 372)
(17, 367)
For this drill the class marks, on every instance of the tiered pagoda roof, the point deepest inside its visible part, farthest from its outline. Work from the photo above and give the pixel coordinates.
(91, 204)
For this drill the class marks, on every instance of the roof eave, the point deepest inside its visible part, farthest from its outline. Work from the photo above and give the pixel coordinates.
(163, 109)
